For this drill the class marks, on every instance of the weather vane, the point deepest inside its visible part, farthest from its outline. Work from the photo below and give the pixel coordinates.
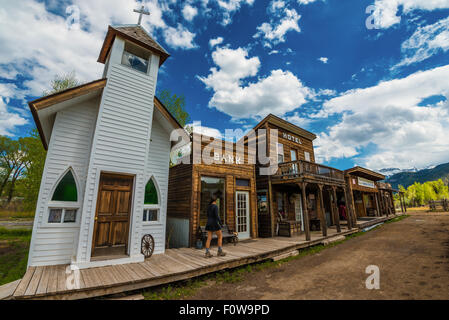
(141, 12)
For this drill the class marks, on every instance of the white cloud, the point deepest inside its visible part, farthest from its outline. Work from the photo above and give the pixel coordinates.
(9, 121)
(277, 93)
(386, 11)
(189, 12)
(389, 116)
(426, 42)
(276, 5)
(229, 7)
(298, 120)
(324, 60)
(46, 47)
(215, 42)
(273, 52)
(274, 32)
(326, 92)
(304, 2)
(179, 37)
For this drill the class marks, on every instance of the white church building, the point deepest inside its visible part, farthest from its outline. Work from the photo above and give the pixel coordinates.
(103, 195)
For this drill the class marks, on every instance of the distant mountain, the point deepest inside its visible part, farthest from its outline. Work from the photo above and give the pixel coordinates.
(407, 177)
(388, 172)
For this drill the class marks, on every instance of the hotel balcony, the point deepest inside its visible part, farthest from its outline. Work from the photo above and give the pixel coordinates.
(301, 170)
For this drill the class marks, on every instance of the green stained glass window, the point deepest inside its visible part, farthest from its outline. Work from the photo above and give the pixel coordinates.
(66, 189)
(151, 193)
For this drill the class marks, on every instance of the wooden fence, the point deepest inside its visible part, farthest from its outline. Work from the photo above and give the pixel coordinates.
(440, 205)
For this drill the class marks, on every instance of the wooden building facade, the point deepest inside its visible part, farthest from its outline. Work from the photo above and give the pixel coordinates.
(285, 194)
(370, 197)
(191, 187)
(298, 195)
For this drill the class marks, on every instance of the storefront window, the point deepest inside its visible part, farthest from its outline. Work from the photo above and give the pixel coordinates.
(210, 187)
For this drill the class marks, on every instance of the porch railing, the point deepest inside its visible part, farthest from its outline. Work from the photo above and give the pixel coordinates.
(301, 168)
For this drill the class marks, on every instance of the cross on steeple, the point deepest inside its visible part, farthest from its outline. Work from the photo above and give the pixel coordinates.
(141, 12)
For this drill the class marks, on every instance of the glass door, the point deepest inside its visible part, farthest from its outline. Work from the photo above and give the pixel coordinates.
(242, 214)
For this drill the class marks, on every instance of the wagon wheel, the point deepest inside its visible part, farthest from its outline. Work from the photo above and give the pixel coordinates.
(147, 245)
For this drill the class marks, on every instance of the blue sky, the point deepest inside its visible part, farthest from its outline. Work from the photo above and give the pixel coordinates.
(370, 78)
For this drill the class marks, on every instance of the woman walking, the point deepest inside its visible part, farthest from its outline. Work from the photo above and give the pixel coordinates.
(214, 225)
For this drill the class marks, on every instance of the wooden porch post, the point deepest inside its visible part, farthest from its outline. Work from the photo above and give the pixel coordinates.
(323, 214)
(270, 192)
(400, 200)
(405, 205)
(303, 187)
(393, 208)
(379, 212)
(349, 199)
(348, 211)
(334, 206)
(387, 207)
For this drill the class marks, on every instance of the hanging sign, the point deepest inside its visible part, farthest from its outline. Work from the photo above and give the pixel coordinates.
(366, 183)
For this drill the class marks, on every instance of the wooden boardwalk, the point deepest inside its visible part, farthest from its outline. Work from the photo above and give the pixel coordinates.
(59, 282)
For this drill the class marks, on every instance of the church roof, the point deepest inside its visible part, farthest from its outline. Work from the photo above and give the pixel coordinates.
(133, 33)
(44, 109)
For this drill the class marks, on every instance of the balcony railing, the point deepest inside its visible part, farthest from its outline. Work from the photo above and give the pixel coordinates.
(301, 168)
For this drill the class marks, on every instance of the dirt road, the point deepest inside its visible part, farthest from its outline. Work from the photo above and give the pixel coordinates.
(412, 255)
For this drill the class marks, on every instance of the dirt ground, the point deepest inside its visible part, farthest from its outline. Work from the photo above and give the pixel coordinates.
(412, 255)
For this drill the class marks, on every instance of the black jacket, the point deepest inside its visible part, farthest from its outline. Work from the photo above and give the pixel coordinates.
(213, 218)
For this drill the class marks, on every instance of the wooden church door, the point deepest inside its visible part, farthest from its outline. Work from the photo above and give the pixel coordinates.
(112, 218)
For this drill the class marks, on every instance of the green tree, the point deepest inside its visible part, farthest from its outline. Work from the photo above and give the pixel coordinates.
(8, 150)
(31, 181)
(63, 82)
(176, 105)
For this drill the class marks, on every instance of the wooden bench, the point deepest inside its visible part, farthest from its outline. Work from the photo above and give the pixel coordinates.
(229, 236)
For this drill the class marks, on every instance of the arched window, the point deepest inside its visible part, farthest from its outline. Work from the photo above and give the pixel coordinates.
(63, 207)
(151, 204)
(66, 189)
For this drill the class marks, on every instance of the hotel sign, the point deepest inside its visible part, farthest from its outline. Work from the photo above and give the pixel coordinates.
(290, 137)
(366, 183)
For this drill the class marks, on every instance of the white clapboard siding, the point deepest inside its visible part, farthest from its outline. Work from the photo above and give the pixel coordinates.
(121, 141)
(70, 146)
(158, 167)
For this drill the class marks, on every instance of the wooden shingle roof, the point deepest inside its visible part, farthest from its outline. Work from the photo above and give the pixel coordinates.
(133, 33)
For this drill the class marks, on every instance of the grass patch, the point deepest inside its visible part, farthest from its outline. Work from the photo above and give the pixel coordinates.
(419, 209)
(14, 246)
(185, 289)
(397, 219)
(11, 215)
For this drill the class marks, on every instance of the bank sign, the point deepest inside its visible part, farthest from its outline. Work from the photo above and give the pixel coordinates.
(291, 138)
(366, 183)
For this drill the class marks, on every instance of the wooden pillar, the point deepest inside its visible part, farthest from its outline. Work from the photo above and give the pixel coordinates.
(305, 210)
(393, 207)
(349, 196)
(348, 212)
(405, 204)
(270, 197)
(379, 213)
(400, 200)
(334, 206)
(323, 214)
